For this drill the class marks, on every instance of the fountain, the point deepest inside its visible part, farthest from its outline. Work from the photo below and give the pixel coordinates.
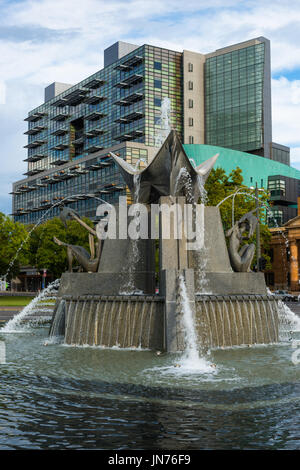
(208, 297)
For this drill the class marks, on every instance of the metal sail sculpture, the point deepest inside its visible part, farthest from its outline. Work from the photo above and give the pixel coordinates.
(168, 173)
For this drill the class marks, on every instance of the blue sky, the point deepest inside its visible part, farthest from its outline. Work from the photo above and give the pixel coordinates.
(42, 41)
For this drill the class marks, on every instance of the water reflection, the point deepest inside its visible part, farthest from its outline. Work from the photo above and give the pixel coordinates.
(64, 397)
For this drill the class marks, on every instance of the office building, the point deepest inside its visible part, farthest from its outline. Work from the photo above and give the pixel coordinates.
(219, 99)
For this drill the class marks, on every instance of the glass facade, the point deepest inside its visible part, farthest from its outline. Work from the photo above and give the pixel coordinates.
(281, 155)
(79, 185)
(119, 103)
(276, 187)
(234, 98)
(102, 110)
(163, 79)
(69, 136)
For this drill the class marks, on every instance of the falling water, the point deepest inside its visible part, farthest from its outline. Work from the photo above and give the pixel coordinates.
(164, 123)
(58, 323)
(191, 358)
(15, 324)
(289, 322)
(202, 284)
(134, 254)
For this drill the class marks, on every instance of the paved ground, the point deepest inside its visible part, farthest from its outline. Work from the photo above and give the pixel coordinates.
(6, 313)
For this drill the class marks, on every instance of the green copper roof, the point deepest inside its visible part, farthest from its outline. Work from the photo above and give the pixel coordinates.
(255, 169)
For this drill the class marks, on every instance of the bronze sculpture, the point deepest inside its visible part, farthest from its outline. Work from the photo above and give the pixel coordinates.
(241, 258)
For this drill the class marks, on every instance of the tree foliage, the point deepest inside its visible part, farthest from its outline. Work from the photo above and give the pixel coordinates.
(13, 246)
(219, 186)
(46, 254)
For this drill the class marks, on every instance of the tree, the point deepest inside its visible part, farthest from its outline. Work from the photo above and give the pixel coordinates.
(219, 186)
(46, 254)
(13, 246)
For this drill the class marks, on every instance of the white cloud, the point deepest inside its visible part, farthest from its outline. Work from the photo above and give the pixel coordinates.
(295, 157)
(2, 92)
(286, 111)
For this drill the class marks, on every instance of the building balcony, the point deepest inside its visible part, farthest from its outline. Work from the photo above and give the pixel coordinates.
(15, 193)
(58, 162)
(60, 147)
(106, 161)
(123, 68)
(23, 189)
(78, 141)
(128, 64)
(133, 61)
(33, 172)
(128, 135)
(94, 99)
(35, 143)
(129, 81)
(94, 115)
(35, 158)
(111, 188)
(35, 130)
(27, 188)
(94, 132)
(59, 103)
(61, 131)
(102, 163)
(80, 197)
(45, 204)
(69, 199)
(35, 117)
(60, 117)
(94, 167)
(94, 83)
(128, 100)
(130, 117)
(65, 175)
(94, 148)
(75, 97)
(54, 179)
(76, 171)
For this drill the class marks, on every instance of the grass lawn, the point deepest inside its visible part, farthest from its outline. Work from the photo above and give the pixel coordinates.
(12, 301)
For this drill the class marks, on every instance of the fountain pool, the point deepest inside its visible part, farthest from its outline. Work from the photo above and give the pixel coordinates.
(63, 397)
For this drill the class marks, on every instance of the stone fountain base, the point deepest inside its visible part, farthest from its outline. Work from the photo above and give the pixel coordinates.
(86, 315)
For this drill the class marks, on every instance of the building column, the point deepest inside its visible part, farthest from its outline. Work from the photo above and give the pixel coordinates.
(294, 277)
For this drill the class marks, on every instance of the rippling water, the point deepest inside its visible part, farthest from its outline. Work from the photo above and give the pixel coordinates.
(59, 397)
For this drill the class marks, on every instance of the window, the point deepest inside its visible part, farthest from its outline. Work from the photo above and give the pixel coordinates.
(157, 101)
(191, 103)
(190, 67)
(191, 122)
(276, 187)
(190, 85)
(275, 219)
(157, 83)
(191, 139)
(157, 65)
